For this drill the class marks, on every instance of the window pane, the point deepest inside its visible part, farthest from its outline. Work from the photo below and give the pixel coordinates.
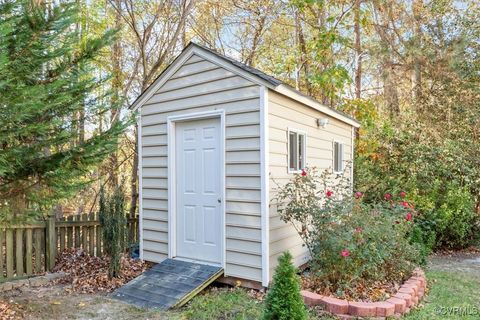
(335, 157)
(340, 157)
(301, 151)
(292, 150)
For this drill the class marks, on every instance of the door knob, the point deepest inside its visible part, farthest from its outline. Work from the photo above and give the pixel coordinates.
(219, 200)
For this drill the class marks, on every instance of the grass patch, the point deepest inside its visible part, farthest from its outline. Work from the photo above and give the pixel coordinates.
(226, 304)
(222, 304)
(449, 290)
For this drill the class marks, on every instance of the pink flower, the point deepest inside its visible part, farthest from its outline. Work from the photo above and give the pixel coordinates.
(405, 204)
(409, 216)
(358, 229)
(402, 194)
(358, 194)
(387, 196)
(304, 173)
(329, 193)
(345, 253)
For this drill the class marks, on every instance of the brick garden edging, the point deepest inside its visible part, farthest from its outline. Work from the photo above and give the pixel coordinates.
(409, 294)
(30, 282)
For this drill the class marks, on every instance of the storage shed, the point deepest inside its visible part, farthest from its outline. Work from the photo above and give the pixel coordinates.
(213, 136)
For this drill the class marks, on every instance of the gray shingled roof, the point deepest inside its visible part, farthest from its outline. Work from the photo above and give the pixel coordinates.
(273, 81)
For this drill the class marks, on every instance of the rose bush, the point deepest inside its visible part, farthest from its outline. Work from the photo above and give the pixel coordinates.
(352, 244)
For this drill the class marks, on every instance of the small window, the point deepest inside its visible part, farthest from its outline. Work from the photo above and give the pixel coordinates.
(337, 157)
(296, 151)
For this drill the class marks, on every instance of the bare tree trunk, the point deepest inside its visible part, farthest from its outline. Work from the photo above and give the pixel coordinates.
(116, 87)
(134, 177)
(303, 52)
(417, 67)
(390, 89)
(256, 40)
(358, 51)
(150, 62)
(387, 72)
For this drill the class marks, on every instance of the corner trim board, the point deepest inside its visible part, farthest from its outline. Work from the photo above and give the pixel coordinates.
(265, 184)
(140, 186)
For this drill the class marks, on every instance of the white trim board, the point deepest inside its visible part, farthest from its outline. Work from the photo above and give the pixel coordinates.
(265, 185)
(140, 186)
(171, 120)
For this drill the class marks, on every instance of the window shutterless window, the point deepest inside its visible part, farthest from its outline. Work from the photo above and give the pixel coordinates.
(337, 156)
(296, 151)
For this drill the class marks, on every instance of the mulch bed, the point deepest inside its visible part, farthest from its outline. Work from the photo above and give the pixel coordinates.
(458, 252)
(10, 311)
(87, 274)
(379, 291)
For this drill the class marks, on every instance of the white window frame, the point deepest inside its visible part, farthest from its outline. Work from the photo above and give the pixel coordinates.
(304, 134)
(342, 163)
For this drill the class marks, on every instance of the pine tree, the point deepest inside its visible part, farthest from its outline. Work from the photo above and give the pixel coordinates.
(48, 95)
(284, 301)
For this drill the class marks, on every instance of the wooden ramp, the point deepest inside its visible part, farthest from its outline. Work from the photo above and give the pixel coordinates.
(171, 283)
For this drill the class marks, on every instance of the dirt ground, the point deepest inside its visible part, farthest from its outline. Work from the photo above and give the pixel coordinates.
(457, 261)
(54, 302)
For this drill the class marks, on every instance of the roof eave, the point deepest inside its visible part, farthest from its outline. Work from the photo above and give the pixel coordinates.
(296, 95)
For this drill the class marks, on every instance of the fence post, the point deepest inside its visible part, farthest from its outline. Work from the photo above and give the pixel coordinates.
(51, 243)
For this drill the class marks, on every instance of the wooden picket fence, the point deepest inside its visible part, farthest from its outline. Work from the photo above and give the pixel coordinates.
(30, 249)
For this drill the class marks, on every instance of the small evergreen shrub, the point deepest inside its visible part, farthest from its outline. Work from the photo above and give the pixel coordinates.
(113, 222)
(283, 301)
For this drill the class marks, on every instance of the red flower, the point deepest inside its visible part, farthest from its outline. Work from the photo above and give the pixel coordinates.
(345, 253)
(358, 229)
(409, 216)
(304, 173)
(358, 194)
(329, 193)
(405, 204)
(387, 196)
(402, 194)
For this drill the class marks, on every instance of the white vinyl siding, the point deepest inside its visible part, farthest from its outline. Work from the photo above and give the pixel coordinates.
(199, 85)
(285, 113)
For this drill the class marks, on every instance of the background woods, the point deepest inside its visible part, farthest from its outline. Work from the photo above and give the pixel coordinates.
(408, 70)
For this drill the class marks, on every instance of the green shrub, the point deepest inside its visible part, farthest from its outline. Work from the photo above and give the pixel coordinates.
(441, 176)
(352, 244)
(455, 219)
(283, 301)
(423, 238)
(113, 222)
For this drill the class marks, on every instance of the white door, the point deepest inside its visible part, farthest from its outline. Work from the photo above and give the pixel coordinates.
(198, 194)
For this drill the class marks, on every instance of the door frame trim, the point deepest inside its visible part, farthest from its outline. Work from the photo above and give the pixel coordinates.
(171, 176)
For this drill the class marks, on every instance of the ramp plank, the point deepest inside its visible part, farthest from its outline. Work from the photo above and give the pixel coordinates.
(171, 283)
